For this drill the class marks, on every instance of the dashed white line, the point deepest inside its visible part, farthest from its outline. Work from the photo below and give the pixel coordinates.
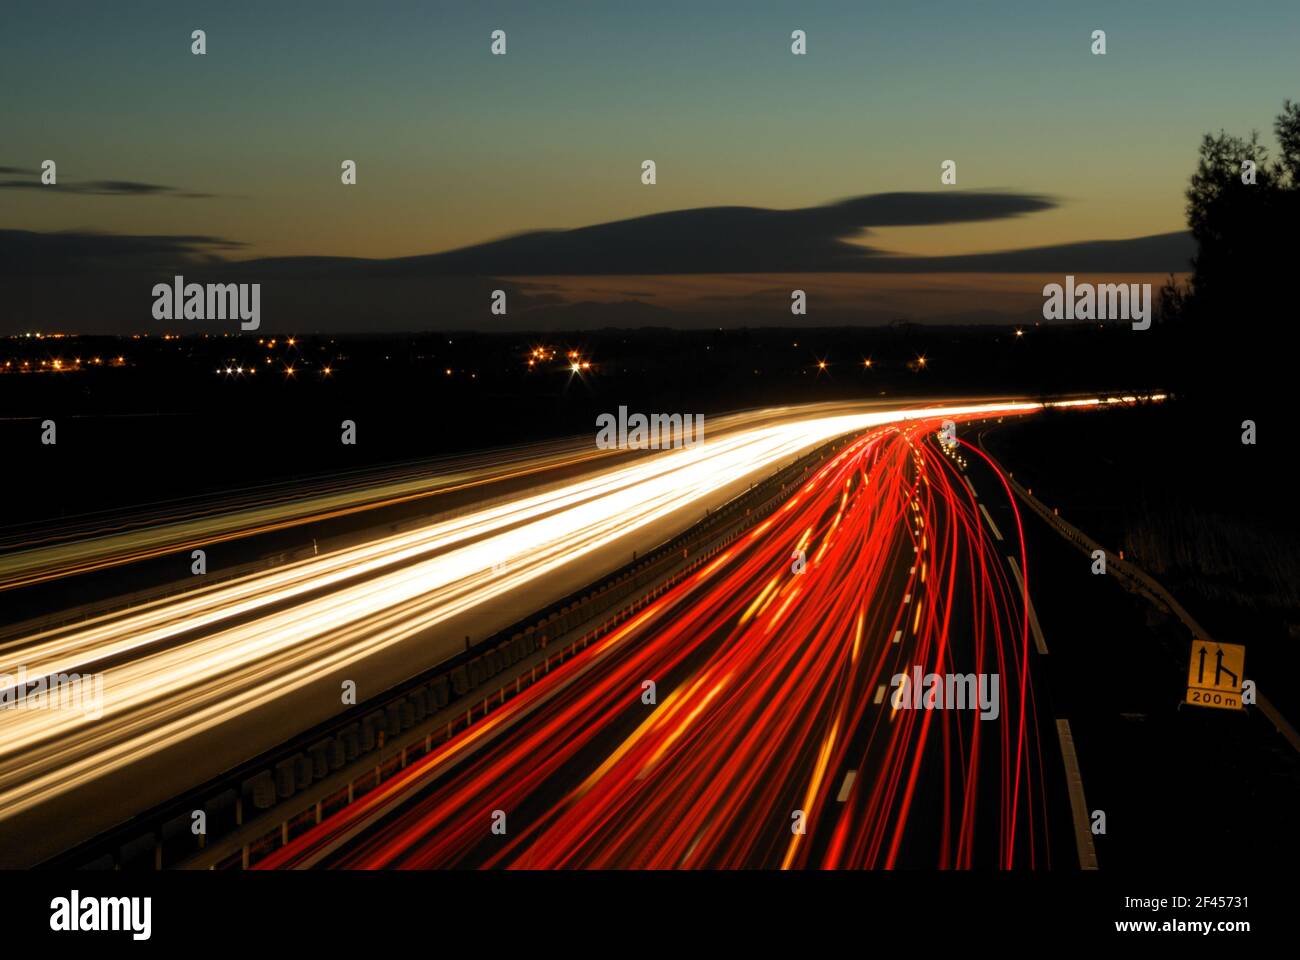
(898, 635)
(1039, 641)
(880, 694)
(846, 786)
(992, 526)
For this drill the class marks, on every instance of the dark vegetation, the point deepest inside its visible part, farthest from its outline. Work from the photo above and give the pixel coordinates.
(1174, 485)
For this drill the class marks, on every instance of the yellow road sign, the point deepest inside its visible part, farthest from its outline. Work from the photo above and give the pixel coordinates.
(1215, 673)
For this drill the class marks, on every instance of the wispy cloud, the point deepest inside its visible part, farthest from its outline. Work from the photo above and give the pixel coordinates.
(729, 239)
(77, 252)
(29, 179)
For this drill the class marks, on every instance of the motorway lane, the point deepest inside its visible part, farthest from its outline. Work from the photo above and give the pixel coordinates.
(30, 555)
(774, 708)
(40, 553)
(54, 571)
(1180, 786)
(199, 682)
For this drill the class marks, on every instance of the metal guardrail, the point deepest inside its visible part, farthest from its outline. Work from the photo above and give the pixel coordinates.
(1140, 582)
(264, 803)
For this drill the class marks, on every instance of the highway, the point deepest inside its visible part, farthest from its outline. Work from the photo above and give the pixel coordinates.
(46, 551)
(37, 554)
(198, 682)
(776, 735)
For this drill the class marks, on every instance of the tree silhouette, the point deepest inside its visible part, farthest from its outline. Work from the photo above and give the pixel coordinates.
(1233, 319)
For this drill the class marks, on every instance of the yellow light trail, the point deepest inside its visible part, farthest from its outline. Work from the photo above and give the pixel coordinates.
(183, 666)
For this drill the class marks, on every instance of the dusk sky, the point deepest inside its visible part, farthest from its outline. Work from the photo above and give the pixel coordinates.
(455, 146)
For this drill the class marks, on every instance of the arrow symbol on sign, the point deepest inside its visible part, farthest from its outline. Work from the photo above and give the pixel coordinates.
(1200, 671)
(1220, 669)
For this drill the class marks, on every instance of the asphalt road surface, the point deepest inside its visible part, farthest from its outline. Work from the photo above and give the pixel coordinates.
(752, 717)
(196, 682)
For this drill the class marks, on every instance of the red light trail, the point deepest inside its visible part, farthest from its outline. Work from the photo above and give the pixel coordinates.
(776, 708)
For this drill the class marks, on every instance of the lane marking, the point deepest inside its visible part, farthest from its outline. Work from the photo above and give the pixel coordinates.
(846, 786)
(880, 694)
(1078, 805)
(974, 492)
(455, 752)
(992, 526)
(1039, 641)
(898, 635)
(907, 598)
